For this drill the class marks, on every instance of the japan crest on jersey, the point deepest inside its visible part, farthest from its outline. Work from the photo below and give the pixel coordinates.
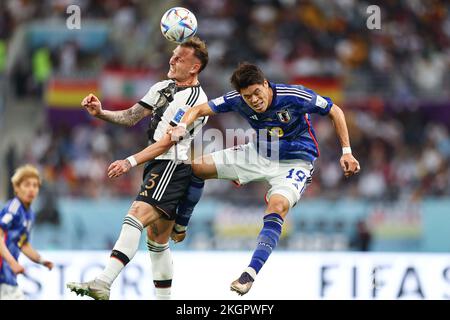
(284, 116)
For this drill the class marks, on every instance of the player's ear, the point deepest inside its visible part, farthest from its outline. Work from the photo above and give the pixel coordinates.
(195, 68)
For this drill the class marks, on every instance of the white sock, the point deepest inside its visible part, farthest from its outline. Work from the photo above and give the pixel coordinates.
(124, 249)
(251, 272)
(162, 268)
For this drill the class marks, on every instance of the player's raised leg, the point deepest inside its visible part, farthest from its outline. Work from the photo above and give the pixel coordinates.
(158, 234)
(204, 167)
(275, 213)
(186, 207)
(140, 215)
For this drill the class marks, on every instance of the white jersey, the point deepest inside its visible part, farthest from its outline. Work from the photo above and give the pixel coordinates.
(169, 103)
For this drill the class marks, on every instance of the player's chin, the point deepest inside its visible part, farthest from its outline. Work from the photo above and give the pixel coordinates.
(260, 110)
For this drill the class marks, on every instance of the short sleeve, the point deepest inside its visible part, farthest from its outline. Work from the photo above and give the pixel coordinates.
(6, 219)
(223, 103)
(151, 98)
(313, 102)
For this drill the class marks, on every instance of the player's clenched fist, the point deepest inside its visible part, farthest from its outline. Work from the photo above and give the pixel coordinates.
(177, 133)
(118, 168)
(48, 264)
(349, 164)
(92, 104)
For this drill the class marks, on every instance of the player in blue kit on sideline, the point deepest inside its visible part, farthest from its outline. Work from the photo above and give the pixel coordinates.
(16, 219)
(283, 154)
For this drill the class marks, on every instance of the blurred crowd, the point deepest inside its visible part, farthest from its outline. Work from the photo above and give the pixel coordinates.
(402, 153)
(407, 58)
(402, 158)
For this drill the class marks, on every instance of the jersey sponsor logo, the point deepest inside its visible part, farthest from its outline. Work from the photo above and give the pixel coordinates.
(177, 118)
(284, 116)
(321, 102)
(218, 101)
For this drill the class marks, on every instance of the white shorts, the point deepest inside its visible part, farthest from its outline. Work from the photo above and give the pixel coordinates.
(8, 292)
(288, 178)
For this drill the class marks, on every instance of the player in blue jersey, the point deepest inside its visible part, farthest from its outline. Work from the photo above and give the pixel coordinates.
(16, 219)
(283, 154)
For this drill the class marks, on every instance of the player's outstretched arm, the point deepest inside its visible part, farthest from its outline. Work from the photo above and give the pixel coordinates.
(120, 167)
(198, 111)
(6, 254)
(128, 117)
(348, 163)
(34, 256)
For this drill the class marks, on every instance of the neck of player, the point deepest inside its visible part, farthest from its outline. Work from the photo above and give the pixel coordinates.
(193, 81)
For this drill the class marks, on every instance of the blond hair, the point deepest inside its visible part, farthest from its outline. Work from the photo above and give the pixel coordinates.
(25, 172)
(200, 50)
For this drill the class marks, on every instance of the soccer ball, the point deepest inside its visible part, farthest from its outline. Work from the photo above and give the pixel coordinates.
(178, 24)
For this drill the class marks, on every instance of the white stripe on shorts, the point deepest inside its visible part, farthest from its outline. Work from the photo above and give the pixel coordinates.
(165, 179)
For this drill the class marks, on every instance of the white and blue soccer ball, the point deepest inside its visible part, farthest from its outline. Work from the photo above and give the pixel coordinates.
(178, 24)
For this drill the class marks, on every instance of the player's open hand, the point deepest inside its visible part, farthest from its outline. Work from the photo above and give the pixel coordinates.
(17, 268)
(118, 168)
(92, 104)
(349, 164)
(48, 264)
(177, 133)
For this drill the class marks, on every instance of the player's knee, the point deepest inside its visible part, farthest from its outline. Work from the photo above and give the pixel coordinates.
(135, 210)
(155, 236)
(204, 168)
(197, 169)
(143, 212)
(279, 206)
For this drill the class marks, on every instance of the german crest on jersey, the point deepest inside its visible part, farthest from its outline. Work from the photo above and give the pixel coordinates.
(284, 116)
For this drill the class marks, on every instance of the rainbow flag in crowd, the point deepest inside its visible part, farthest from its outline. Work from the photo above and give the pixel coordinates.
(116, 89)
(68, 93)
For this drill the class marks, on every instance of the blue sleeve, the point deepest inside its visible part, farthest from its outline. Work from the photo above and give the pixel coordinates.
(221, 104)
(316, 103)
(6, 219)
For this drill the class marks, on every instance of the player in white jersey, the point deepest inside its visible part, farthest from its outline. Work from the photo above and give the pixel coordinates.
(166, 179)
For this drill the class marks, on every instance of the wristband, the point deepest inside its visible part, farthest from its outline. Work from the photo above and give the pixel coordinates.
(182, 124)
(346, 150)
(132, 161)
(41, 261)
